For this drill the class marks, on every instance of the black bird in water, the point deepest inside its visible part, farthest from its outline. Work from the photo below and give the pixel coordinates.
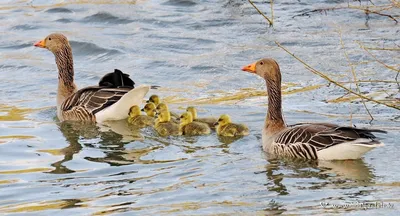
(119, 79)
(116, 79)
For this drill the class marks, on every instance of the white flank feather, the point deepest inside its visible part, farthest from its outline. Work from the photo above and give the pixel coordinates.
(120, 109)
(347, 150)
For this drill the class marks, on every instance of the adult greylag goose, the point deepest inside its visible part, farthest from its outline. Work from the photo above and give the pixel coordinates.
(323, 141)
(94, 103)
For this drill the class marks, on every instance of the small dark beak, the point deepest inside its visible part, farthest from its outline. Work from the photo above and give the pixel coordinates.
(178, 119)
(147, 101)
(142, 110)
(215, 124)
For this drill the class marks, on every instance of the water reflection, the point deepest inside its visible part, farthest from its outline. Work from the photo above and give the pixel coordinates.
(72, 132)
(111, 137)
(351, 173)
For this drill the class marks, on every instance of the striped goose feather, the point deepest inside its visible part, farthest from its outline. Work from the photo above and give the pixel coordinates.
(323, 141)
(86, 102)
(110, 100)
(304, 140)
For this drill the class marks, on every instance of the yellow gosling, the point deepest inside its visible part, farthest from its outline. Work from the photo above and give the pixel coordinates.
(154, 99)
(209, 121)
(164, 126)
(135, 118)
(225, 127)
(188, 127)
(164, 106)
(150, 109)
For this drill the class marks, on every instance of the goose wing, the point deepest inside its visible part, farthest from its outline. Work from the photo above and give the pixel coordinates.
(304, 140)
(323, 135)
(86, 102)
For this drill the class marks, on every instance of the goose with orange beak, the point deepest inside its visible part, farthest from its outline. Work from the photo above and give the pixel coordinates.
(324, 141)
(94, 103)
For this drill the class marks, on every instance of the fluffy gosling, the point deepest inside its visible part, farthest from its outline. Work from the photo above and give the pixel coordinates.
(225, 127)
(150, 109)
(164, 126)
(135, 118)
(209, 121)
(188, 127)
(154, 99)
(164, 106)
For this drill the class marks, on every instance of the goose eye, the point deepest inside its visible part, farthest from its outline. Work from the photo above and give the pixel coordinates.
(49, 38)
(261, 63)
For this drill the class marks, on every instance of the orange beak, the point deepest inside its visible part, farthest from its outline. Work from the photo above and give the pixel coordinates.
(251, 68)
(40, 44)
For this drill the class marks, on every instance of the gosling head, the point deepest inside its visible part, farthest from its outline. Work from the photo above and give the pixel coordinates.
(193, 111)
(54, 42)
(150, 109)
(266, 68)
(134, 111)
(186, 118)
(163, 116)
(223, 120)
(154, 99)
(161, 107)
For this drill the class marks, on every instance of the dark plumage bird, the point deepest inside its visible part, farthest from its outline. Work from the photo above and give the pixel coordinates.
(116, 79)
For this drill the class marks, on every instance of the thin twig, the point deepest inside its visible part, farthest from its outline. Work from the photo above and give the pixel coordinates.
(334, 82)
(271, 23)
(272, 11)
(371, 81)
(376, 59)
(353, 72)
(366, 10)
(377, 48)
(382, 63)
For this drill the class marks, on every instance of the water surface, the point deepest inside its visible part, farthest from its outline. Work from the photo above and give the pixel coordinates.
(194, 51)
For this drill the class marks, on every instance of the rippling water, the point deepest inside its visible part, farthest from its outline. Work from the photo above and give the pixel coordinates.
(194, 50)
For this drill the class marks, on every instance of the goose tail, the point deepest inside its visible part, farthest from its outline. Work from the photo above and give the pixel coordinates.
(349, 150)
(120, 109)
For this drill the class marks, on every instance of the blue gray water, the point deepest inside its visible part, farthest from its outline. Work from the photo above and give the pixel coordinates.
(194, 50)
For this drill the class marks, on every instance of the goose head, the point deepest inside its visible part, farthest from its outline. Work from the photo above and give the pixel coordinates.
(54, 42)
(266, 68)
